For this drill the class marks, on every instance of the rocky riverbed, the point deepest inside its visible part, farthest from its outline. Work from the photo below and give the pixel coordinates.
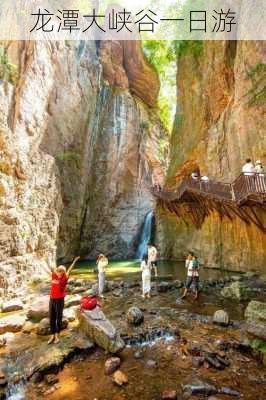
(174, 349)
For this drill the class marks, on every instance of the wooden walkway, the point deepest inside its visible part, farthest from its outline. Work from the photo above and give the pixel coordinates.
(244, 198)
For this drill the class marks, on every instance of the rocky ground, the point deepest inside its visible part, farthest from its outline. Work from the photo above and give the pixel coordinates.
(173, 349)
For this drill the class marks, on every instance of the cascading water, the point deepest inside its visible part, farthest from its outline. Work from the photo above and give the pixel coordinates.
(145, 236)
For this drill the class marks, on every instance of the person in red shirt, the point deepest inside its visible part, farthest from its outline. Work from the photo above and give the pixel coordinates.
(59, 277)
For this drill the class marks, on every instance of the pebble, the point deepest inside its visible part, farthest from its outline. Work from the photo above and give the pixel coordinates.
(120, 378)
(151, 364)
(111, 365)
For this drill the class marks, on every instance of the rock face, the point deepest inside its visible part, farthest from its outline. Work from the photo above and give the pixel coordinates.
(79, 151)
(100, 330)
(219, 123)
(255, 315)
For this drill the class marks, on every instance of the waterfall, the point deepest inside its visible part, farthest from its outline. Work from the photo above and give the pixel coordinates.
(145, 236)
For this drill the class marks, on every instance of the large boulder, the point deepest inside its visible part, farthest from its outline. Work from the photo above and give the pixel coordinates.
(134, 316)
(39, 309)
(100, 330)
(12, 305)
(12, 323)
(237, 291)
(221, 317)
(43, 328)
(255, 315)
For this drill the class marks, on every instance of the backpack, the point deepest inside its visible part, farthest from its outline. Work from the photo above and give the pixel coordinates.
(88, 303)
(195, 264)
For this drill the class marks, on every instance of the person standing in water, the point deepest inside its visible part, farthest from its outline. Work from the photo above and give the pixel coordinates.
(102, 263)
(59, 278)
(192, 265)
(145, 267)
(152, 257)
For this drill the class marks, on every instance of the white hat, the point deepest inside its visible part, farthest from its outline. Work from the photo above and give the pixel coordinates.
(258, 162)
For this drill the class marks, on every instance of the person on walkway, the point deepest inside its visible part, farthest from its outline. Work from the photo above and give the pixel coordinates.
(192, 265)
(59, 278)
(248, 168)
(145, 267)
(102, 262)
(259, 167)
(152, 257)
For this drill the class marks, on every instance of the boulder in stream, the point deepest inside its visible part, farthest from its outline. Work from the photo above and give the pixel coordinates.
(12, 305)
(134, 316)
(255, 315)
(12, 323)
(198, 388)
(111, 365)
(100, 330)
(39, 309)
(43, 328)
(237, 291)
(221, 317)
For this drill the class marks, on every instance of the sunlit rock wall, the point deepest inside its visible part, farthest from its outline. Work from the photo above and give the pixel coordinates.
(219, 123)
(78, 156)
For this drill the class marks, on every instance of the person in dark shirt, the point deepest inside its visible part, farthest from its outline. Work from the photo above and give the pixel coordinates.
(59, 278)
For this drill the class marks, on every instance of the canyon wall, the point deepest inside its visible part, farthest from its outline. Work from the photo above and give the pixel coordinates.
(219, 123)
(78, 154)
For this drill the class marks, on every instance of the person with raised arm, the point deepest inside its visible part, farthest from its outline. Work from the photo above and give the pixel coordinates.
(59, 276)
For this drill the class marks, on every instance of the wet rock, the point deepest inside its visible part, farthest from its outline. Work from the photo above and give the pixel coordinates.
(134, 316)
(197, 361)
(12, 305)
(200, 387)
(221, 317)
(163, 287)
(100, 330)
(117, 292)
(229, 392)
(43, 328)
(178, 284)
(151, 364)
(39, 309)
(111, 365)
(169, 394)
(255, 315)
(120, 378)
(12, 323)
(213, 362)
(51, 379)
(3, 380)
(138, 355)
(237, 291)
(70, 314)
(29, 327)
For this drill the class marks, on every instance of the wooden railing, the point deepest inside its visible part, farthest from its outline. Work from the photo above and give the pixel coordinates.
(239, 190)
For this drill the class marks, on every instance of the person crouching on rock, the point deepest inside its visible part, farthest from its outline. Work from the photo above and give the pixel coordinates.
(59, 277)
(102, 263)
(146, 276)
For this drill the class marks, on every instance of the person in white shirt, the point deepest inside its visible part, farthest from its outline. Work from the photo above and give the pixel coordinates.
(192, 266)
(152, 258)
(102, 263)
(248, 168)
(145, 267)
(259, 167)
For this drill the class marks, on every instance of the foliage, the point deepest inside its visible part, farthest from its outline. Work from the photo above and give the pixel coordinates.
(68, 156)
(259, 344)
(162, 55)
(8, 71)
(257, 75)
(144, 125)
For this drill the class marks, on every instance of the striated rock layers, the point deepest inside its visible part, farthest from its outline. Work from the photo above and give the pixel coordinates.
(219, 123)
(78, 154)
